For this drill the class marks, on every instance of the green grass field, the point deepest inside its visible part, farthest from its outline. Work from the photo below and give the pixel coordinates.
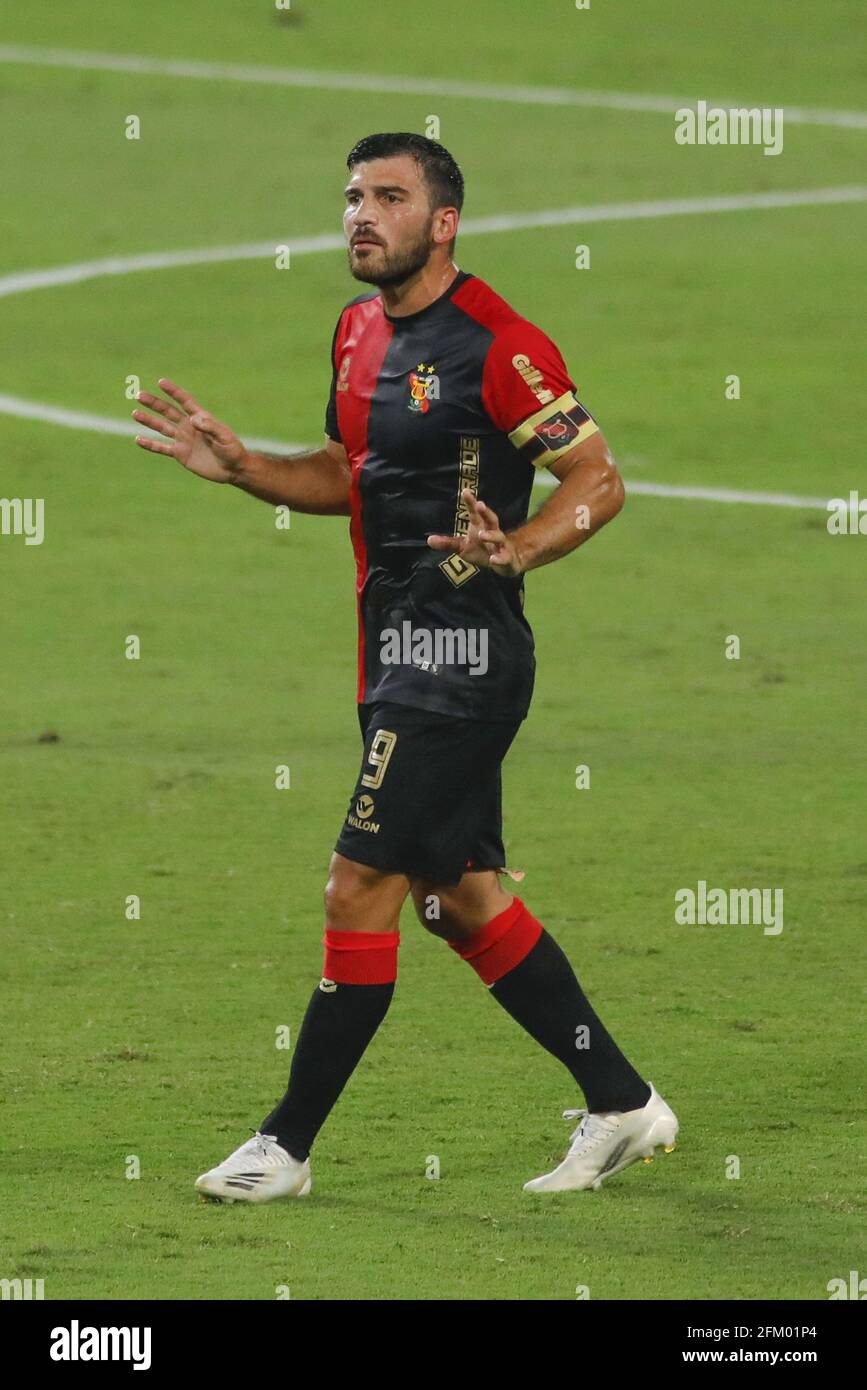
(156, 1038)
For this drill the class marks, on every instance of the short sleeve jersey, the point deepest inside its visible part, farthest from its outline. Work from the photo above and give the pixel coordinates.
(463, 394)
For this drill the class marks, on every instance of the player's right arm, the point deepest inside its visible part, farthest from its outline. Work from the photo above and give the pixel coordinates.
(316, 482)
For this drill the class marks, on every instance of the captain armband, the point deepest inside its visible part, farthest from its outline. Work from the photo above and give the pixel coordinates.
(553, 430)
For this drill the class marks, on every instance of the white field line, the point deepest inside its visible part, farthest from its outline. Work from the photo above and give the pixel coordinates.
(102, 424)
(712, 494)
(21, 281)
(306, 78)
(402, 86)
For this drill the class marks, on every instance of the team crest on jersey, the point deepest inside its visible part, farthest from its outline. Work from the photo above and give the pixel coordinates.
(424, 387)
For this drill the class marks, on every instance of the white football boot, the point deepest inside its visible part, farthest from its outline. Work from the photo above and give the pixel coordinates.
(603, 1144)
(260, 1171)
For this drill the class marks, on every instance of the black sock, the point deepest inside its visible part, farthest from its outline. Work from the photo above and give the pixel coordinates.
(336, 1030)
(543, 995)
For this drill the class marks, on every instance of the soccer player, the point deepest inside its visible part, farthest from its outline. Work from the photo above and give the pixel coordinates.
(443, 402)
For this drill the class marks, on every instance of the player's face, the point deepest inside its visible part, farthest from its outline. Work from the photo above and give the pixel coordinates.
(388, 221)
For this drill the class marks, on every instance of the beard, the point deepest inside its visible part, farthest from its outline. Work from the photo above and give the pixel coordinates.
(384, 267)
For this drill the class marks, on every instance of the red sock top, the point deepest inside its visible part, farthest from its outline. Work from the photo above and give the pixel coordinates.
(501, 944)
(360, 957)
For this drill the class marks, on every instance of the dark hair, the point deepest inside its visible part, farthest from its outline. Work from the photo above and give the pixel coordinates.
(444, 179)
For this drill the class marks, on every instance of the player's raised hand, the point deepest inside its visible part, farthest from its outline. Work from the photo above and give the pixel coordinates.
(484, 543)
(202, 444)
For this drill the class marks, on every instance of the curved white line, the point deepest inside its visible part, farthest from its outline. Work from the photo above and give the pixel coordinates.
(103, 424)
(22, 281)
(310, 78)
(410, 86)
(722, 494)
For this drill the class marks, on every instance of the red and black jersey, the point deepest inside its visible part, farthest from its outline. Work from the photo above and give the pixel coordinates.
(464, 393)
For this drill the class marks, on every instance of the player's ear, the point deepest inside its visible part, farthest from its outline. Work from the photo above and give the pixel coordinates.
(445, 227)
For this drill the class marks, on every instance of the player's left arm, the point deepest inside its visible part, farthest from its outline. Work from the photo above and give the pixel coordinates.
(528, 393)
(590, 493)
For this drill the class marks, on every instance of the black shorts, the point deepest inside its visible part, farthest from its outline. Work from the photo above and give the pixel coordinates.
(427, 802)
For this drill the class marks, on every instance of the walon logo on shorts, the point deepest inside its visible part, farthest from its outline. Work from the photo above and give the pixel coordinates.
(363, 811)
